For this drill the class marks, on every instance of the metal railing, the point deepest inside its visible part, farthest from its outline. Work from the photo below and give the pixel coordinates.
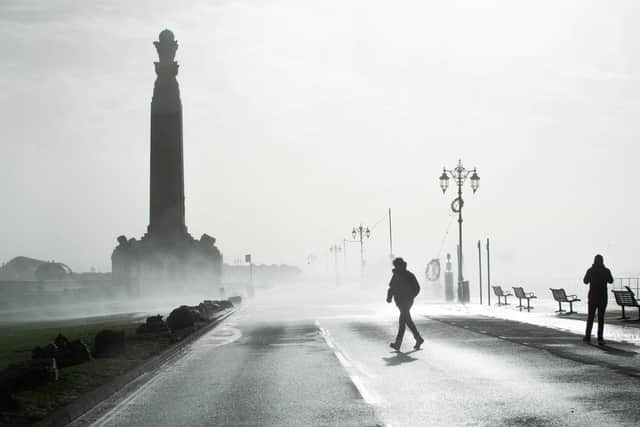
(631, 282)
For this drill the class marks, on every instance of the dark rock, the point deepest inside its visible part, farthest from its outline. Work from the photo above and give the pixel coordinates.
(180, 318)
(74, 353)
(25, 376)
(155, 321)
(108, 343)
(212, 305)
(208, 308)
(226, 304)
(81, 350)
(66, 353)
(47, 352)
(198, 316)
(61, 342)
(153, 324)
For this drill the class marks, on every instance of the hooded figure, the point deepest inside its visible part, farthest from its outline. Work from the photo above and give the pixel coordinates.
(597, 277)
(403, 288)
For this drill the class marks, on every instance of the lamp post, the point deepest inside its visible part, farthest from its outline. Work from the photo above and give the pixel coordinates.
(335, 249)
(460, 175)
(248, 260)
(361, 232)
(344, 251)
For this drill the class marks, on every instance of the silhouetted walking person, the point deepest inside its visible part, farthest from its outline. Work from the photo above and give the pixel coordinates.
(597, 277)
(403, 288)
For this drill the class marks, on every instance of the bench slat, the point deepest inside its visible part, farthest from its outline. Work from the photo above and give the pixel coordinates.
(625, 298)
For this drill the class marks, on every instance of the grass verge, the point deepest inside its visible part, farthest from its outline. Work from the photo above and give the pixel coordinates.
(17, 341)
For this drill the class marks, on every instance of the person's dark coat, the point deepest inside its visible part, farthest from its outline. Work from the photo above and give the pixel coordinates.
(404, 287)
(597, 277)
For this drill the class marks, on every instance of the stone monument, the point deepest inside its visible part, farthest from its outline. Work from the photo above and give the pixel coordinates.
(167, 256)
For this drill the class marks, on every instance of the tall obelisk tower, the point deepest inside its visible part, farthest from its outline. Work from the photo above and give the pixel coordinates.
(167, 257)
(166, 202)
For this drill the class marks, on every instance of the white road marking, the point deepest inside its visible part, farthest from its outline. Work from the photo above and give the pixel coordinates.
(343, 360)
(364, 370)
(353, 369)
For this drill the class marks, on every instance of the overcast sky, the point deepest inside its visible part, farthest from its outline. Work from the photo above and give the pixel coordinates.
(304, 118)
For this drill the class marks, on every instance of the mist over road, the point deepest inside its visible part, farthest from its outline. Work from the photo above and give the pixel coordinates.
(302, 356)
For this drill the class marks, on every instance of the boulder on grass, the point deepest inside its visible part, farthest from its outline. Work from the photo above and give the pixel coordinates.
(61, 342)
(225, 303)
(181, 318)
(71, 352)
(25, 376)
(47, 352)
(212, 306)
(81, 350)
(74, 353)
(208, 308)
(108, 343)
(66, 353)
(153, 324)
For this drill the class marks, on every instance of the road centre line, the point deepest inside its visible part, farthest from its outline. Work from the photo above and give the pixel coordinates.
(369, 396)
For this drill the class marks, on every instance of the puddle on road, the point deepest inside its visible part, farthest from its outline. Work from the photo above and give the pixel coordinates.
(222, 336)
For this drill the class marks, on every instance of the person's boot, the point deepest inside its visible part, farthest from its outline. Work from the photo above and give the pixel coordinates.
(586, 338)
(395, 346)
(419, 342)
(601, 341)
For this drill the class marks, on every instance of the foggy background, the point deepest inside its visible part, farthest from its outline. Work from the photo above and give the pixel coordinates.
(303, 119)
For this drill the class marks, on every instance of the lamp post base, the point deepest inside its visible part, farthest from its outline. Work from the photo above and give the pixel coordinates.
(463, 292)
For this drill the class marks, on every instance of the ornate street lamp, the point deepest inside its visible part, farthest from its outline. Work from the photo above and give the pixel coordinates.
(362, 232)
(335, 250)
(444, 181)
(460, 175)
(475, 181)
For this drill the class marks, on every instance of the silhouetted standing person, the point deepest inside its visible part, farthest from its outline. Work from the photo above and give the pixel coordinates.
(597, 277)
(403, 288)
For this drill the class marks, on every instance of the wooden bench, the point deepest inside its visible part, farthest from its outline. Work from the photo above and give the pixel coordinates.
(626, 298)
(500, 293)
(561, 296)
(521, 294)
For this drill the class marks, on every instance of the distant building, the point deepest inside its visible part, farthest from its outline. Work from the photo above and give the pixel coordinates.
(26, 269)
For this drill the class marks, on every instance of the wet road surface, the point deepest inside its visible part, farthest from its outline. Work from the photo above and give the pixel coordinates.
(290, 360)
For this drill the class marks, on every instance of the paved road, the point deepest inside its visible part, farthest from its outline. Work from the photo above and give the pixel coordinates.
(292, 360)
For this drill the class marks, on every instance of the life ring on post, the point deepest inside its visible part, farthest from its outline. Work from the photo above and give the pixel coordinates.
(433, 270)
(457, 204)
